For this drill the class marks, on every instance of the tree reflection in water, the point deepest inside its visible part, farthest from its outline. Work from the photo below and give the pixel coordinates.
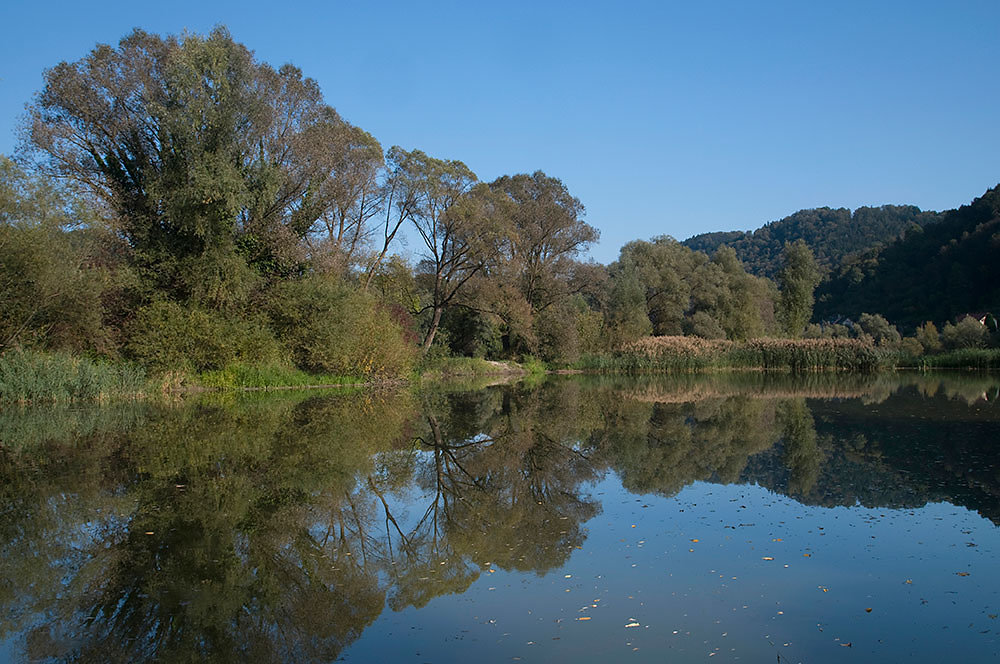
(277, 528)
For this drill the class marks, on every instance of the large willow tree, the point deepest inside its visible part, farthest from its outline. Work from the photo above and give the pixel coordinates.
(214, 165)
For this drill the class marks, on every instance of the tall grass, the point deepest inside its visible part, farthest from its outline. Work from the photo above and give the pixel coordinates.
(242, 376)
(962, 358)
(31, 377)
(679, 354)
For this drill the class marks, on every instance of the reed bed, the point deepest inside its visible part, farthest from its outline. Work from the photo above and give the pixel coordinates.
(689, 354)
(963, 358)
(31, 377)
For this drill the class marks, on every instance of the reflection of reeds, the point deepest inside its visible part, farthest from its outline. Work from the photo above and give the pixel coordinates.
(870, 388)
(675, 353)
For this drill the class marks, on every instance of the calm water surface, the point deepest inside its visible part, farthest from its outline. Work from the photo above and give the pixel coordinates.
(743, 518)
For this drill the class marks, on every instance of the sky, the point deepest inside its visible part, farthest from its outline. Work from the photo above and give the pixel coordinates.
(661, 117)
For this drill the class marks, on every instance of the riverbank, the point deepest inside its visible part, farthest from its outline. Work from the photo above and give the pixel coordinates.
(35, 377)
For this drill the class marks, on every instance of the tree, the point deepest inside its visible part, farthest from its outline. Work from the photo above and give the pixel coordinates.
(49, 296)
(402, 194)
(798, 279)
(345, 194)
(211, 162)
(459, 222)
(548, 232)
(880, 330)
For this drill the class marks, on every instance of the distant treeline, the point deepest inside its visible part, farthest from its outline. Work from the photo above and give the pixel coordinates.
(832, 234)
(181, 206)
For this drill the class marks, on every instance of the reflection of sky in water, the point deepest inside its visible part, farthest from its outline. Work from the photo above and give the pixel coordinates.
(767, 576)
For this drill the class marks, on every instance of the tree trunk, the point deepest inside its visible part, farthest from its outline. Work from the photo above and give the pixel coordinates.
(435, 323)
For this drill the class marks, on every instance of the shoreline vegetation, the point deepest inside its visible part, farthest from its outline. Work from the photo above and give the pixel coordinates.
(32, 377)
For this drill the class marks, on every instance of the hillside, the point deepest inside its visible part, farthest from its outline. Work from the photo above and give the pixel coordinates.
(831, 233)
(935, 273)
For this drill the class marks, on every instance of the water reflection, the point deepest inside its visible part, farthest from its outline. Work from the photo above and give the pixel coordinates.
(278, 528)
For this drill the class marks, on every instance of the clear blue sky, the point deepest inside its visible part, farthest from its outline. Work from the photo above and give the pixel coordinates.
(661, 117)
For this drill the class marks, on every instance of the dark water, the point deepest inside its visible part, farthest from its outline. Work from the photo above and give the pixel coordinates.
(824, 519)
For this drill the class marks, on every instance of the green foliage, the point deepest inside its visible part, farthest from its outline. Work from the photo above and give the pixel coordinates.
(32, 377)
(929, 338)
(168, 336)
(533, 365)
(703, 325)
(798, 279)
(943, 272)
(833, 234)
(48, 299)
(879, 330)
(330, 327)
(967, 333)
(962, 358)
(911, 346)
(240, 376)
(678, 290)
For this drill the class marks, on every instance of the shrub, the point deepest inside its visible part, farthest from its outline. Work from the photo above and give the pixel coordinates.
(911, 346)
(968, 333)
(329, 327)
(927, 335)
(168, 336)
(879, 329)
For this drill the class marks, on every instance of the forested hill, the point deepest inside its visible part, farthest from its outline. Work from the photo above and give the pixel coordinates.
(935, 273)
(832, 234)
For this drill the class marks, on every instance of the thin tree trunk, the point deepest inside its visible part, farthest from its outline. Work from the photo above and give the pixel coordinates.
(435, 323)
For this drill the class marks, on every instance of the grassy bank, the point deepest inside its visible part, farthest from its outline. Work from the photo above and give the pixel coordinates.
(686, 354)
(246, 376)
(38, 377)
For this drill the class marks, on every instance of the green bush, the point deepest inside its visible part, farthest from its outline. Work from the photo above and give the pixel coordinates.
(330, 327)
(48, 299)
(968, 333)
(166, 336)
